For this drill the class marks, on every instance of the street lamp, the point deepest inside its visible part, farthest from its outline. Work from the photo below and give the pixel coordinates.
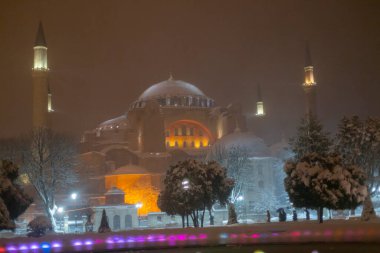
(186, 187)
(74, 196)
(185, 184)
(138, 206)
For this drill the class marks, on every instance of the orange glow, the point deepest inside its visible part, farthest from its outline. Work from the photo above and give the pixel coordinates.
(138, 188)
(187, 134)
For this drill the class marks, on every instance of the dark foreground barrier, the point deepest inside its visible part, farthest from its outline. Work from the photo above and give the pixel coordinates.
(301, 232)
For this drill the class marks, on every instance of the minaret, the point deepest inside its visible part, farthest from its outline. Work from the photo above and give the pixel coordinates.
(309, 86)
(50, 102)
(40, 81)
(259, 104)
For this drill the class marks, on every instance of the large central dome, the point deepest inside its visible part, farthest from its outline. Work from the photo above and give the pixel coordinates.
(170, 88)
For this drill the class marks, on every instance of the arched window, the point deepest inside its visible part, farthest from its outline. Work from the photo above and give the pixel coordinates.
(185, 144)
(116, 222)
(128, 221)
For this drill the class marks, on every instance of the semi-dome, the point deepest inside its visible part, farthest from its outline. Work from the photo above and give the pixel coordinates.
(254, 145)
(120, 122)
(171, 87)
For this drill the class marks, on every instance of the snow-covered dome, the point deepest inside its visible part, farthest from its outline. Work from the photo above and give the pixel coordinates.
(114, 191)
(255, 146)
(130, 169)
(120, 122)
(171, 87)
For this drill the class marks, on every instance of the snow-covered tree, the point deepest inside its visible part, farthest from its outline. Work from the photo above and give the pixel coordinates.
(359, 143)
(192, 187)
(13, 200)
(236, 161)
(310, 138)
(48, 159)
(318, 182)
(39, 226)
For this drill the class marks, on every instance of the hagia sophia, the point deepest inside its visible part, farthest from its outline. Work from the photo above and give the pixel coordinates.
(170, 121)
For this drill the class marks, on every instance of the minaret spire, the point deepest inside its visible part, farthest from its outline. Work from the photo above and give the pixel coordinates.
(309, 84)
(259, 104)
(40, 37)
(41, 90)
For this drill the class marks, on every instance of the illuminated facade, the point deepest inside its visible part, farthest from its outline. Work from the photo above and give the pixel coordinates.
(170, 121)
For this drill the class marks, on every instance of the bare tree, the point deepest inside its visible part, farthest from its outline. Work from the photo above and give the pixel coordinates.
(236, 161)
(359, 143)
(48, 159)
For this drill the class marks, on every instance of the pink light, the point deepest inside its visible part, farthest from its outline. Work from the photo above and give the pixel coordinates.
(296, 234)
(255, 236)
(328, 233)
(202, 236)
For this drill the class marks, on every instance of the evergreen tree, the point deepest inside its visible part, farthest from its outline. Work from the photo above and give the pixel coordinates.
(104, 227)
(310, 138)
(13, 200)
(319, 182)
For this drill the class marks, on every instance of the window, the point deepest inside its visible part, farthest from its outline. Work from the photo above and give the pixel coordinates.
(167, 144)
(201, 144)
(116, 222)
(159, 218)
(183, 128)
(175, 131)
(167, 133)
(191, 131)
(176, 144)
(261, 184)
(192, 144)
(200, 132)
(185, 144)
(128, 221)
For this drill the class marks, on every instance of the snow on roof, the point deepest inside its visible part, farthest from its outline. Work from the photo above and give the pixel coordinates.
(255, 146)
(171, 87)
(114, 121)
(130, 169)
(114, 191)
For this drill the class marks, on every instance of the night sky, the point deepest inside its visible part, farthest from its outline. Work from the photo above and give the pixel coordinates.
(104, 54)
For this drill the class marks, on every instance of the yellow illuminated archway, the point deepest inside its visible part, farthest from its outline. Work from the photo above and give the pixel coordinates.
(187, 134)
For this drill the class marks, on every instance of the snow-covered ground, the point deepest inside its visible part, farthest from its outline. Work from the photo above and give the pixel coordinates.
(279, 232)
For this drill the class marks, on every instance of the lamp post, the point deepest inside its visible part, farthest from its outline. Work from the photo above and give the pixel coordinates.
(60, 212)
(186, 187)
(138, 206)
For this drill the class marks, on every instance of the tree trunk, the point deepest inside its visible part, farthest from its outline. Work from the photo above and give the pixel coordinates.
(50, 214)
(187, 220)
(203, 217)
(211, 217)
(232, 217)
(368, 212)
(183, 220)
(320, 214)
